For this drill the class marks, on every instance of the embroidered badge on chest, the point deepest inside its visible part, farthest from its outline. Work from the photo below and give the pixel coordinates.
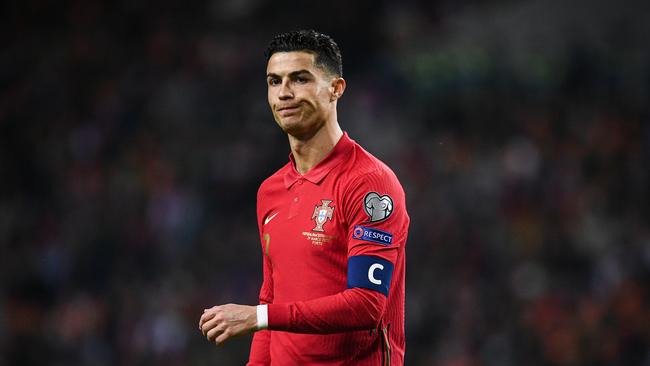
(321, 214)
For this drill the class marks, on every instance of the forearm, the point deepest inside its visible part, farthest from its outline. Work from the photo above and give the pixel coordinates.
(352, 309)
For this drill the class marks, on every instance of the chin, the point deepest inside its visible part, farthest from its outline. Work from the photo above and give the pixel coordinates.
(301, 130)
(291, 123)
(293, 129)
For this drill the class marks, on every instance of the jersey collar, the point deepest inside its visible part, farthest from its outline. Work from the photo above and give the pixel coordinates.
(316, 174)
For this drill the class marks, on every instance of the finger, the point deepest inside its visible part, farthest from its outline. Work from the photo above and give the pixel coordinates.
(213, 323)
(225, 335)
(208, 314)
(205, 317)
(215, 332)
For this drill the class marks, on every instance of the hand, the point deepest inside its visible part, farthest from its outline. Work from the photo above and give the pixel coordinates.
(220, 323)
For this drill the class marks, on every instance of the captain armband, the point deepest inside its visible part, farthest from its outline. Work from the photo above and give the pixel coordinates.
(370, 272)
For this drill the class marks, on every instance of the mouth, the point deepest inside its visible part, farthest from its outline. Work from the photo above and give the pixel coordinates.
(287, 110)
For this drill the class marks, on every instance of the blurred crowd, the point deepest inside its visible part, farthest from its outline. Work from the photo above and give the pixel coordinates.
(134, 135)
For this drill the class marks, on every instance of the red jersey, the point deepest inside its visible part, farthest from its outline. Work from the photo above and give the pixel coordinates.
(333, 246)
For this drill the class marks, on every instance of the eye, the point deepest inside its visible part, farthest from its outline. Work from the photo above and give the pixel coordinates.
(273, 81)
(301, 80)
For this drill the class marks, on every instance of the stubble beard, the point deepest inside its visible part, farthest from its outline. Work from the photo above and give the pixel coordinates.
(299, 124)
(301, 129)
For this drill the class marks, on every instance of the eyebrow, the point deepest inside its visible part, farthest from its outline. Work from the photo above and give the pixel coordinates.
(291, 74)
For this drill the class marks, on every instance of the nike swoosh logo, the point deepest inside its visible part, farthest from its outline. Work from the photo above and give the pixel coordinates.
(269, 218)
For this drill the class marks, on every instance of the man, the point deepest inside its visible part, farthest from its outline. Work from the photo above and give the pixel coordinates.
(333, 227)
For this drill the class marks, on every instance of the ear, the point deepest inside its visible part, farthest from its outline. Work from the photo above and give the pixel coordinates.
(337, 88)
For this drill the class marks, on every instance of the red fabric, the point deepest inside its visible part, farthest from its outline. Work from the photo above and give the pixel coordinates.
(313, 317)
(352, 309)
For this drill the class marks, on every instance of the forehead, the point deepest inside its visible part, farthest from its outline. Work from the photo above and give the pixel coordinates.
(282, 63)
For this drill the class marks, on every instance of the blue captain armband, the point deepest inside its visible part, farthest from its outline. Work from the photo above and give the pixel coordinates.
(369, 272)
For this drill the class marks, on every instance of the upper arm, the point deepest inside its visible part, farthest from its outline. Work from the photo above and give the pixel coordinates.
(375, 212)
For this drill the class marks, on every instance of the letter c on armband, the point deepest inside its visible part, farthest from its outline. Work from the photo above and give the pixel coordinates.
(370, 272)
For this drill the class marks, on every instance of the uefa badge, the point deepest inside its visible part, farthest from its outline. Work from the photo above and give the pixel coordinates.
(321, 214)
(377, 207)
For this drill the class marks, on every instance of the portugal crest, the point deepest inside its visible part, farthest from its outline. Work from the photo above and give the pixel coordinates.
(321, 214)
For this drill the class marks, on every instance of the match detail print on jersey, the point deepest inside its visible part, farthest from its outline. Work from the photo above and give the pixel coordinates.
(373, 273)
(377, 207)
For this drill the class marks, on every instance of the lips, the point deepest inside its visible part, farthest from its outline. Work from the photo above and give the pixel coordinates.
(287, 110)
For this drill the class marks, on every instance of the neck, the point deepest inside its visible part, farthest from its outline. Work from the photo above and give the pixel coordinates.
(307, 152)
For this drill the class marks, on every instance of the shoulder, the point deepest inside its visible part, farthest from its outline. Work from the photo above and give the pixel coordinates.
(363, 167)
(371, 192)
(365, 180)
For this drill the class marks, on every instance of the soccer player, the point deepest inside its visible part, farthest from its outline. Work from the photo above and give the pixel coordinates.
(333, 228)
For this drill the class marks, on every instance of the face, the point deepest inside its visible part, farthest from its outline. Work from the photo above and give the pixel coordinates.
(301, 95)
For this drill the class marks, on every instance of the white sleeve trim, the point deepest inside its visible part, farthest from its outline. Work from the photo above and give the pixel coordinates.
(262, 317)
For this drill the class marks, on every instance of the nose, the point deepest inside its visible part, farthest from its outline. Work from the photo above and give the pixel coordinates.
(285, 91)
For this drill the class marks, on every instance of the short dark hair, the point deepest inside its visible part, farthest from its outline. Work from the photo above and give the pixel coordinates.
(327, 53)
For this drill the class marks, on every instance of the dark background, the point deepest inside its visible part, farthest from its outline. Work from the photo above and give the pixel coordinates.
(134, 135)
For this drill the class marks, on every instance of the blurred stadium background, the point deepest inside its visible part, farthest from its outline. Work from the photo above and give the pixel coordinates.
(134, 134)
